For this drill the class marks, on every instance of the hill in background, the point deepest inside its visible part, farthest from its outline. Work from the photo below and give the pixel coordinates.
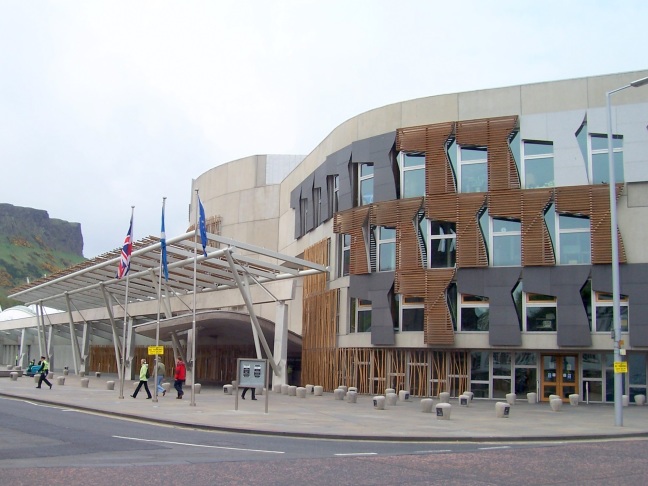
(33, 245)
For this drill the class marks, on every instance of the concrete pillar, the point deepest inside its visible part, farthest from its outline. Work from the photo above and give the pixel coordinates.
(426, 405)
(281, 343)
(443, 411)
(502, 409)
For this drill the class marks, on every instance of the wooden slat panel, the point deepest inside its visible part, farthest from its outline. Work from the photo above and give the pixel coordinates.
(471, 249)
(438, 323)
(537, 249)
(600, 223)
(408, 253)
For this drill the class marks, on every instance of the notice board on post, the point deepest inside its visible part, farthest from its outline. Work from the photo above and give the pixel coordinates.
(252, 373)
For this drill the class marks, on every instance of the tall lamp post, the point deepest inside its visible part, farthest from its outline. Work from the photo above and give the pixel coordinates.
(616, 292)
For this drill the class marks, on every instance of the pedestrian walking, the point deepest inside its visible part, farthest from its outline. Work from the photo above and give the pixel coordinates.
(43, 370)
(143, 380)
(161, 371)
(245, 389)
(180, 375)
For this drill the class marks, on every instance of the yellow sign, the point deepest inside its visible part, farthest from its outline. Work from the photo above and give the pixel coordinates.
(620, 366)
(153, 350)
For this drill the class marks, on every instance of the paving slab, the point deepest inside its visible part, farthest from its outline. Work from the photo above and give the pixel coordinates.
(325, 417)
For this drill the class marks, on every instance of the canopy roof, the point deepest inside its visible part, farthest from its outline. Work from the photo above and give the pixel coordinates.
(226, 262)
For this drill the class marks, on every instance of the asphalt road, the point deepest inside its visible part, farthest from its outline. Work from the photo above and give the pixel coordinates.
(44, 444)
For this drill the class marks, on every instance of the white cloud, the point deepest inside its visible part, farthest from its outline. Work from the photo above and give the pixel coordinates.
(107, 104)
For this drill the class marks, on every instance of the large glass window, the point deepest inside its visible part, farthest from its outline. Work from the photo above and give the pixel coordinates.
(599, 161)
(411, 313)
(540, 312)
(538, 164)
(386, 248)
(360, 315)
(574, 240)
(474, 313)
(526, 373)
(345, 255)
(365, 184)
(333, 191)
(501, 374)
(442, 244)
(473, 169)
(412, 169)
(637, 374)
(506, 246)
(480, 374)
(604, 312)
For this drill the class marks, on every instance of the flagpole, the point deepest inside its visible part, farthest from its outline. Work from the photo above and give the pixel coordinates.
(159, 298)
(193, 321)
(123, 363)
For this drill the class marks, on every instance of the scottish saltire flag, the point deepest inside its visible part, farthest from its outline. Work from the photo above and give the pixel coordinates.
(203, 228)
(165, 267)
(127, 249)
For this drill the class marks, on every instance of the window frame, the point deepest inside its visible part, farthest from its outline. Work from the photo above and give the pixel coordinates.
(526, 158)
(603, 300)
(357, 307)
(344, 251)
(364, 179)
(616, 149)
(381, 243)
(469, 301)
(495, 236)
(410, 303)
(532, 300)
(463, 163)
(404, 170)
(448, 238)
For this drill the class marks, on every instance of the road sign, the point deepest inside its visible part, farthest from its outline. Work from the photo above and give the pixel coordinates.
(153, 350)
(620, 366)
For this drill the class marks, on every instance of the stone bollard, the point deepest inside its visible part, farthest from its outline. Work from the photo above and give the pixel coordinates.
(166, 385)
(60, 380)
(532, 397)
(110, 385)
(444, 397)
(276, 388)
(227, 389)
(464, 400)
(510, 398)
(197, 387)
(555, 404)
(403, 396)
(426, 405)
(284, 389)
(259, 390)
(344, 387)
(14, 376)
(301, 392)
(469, 394)
(66, 372)
(443, 411)
(551, 397)
(502, 409)
(309, 389)
(574, 398)
(625, 400)
(81, 374)
(338, 394)
(352, 388)
(98, 374)
(292, 391)
(640, 399)
(10, 367)
(379, 402)
(36, 378)
(85, 382)
(389, 390)
(391, 399)
(318, 390)
(50, 375)
(352, 396)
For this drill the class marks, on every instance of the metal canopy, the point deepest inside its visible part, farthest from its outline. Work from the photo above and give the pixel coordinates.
(83, 282)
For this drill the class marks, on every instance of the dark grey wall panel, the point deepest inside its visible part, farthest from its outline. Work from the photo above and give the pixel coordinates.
(295, 196)
(633, 280)
(379, 151)
(342, 160)
(376, 287)
(497, 284)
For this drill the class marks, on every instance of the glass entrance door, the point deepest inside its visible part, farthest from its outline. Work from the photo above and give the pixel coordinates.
(559, 375)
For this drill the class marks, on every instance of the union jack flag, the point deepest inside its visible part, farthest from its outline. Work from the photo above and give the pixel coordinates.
(127, 249)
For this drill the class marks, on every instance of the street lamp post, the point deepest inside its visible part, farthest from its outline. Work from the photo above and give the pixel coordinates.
(616, 292)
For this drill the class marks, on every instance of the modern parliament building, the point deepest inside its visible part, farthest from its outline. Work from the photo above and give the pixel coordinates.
(467, 238)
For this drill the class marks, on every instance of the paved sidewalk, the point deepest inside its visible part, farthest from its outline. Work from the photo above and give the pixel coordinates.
(326, 417)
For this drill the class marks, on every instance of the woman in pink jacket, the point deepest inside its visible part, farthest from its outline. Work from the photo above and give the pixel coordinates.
(180, 376)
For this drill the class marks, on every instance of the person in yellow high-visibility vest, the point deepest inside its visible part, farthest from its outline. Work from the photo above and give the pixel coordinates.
(44, 369)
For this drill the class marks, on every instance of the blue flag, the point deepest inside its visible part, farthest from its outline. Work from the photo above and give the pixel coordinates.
(203, 229)
(163, 247)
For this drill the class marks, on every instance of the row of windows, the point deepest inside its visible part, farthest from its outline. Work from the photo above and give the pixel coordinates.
(570, 235)
(470, 313)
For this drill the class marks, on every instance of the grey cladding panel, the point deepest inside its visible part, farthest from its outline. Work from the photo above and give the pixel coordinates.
(376, 287)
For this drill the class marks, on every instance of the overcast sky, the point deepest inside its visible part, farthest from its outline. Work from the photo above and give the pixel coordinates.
(106, 105)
